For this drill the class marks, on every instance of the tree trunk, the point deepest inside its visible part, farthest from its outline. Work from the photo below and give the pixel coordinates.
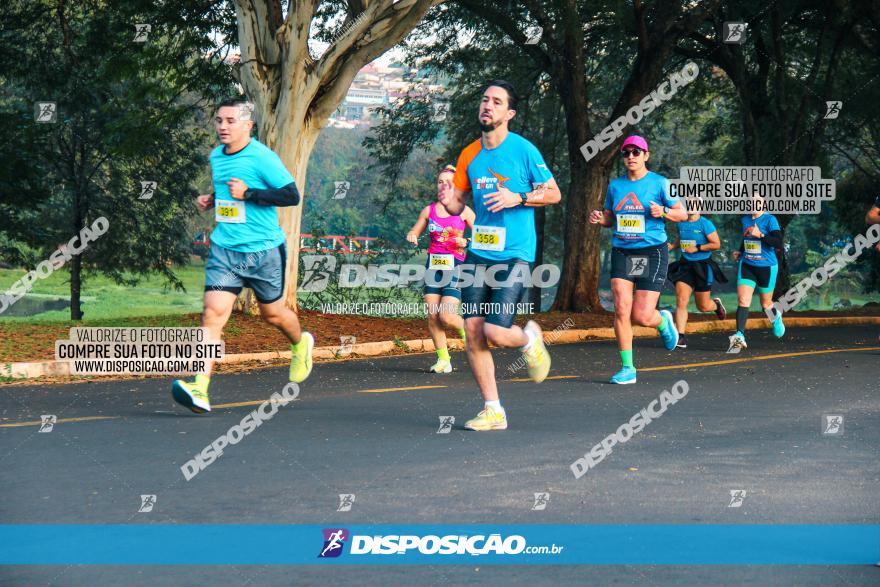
(76, 262)
(579, 286)
(295, 94)
(246, 303)
(75, 287)
(540, 221)
(295, 155)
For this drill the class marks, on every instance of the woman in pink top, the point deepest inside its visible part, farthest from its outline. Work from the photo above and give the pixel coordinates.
(445, 252)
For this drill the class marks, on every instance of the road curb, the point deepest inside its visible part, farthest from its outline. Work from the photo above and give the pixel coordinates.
(567, 336)
(36, 369)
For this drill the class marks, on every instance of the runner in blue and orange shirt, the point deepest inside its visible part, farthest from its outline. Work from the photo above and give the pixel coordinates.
(507, 178)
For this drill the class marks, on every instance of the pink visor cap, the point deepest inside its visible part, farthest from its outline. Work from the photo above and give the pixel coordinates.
(636, 141)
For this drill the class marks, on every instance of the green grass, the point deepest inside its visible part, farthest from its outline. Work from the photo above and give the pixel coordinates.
(812, 302)
(106, 303)
(103, 299)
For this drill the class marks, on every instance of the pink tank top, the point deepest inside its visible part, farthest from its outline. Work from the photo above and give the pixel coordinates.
(443, 233)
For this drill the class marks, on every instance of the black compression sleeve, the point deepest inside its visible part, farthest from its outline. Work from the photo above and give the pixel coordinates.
(284, 196)
(773, 239)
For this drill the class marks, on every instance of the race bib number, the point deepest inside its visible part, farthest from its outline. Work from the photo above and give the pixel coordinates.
(231, 211)
(441, 261)
(631, 223)
(489, 238)
(686, 244)
(752, 247)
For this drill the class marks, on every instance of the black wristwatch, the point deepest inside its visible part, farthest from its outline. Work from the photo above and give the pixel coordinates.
(525, 197)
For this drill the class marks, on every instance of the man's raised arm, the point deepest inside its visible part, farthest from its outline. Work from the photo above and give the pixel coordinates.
(455, 203)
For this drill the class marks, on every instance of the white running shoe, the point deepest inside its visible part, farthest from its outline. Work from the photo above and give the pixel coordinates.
(442, 366)
(737, 343)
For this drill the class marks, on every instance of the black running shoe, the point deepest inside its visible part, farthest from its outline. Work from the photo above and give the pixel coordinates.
(720, 310)
(681, 344)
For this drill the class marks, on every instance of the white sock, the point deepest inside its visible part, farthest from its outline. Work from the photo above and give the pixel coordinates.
(495, 405)
(532, 337)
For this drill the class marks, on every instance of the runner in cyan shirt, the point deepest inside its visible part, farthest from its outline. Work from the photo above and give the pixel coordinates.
(446, 251)
(695, 272)
(508, 178)
(636, 207)
(247, 246)
(757, 270)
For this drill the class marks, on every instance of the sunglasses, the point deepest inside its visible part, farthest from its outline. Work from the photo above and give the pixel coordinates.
(631, 152)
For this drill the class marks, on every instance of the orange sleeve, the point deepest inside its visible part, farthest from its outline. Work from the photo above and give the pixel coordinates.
(461, 180)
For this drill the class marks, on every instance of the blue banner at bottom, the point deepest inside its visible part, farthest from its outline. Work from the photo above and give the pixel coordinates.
(148, 544)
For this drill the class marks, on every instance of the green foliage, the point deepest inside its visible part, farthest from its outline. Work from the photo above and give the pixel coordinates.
(371, 207)
(126, 112)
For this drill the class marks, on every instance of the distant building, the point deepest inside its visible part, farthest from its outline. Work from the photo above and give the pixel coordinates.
(359, 101)
(375, 86)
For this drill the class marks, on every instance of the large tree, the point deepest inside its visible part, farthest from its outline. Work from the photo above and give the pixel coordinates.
(295, 92)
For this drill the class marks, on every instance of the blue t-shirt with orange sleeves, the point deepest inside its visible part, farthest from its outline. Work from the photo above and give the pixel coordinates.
(755, 252)
(517, 165)
(630, 203)
(259, 168)
(695, 233)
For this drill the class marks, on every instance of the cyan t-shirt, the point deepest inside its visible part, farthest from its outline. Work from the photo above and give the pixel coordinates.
(259, 168)
(517, 165)
(695, 234)
(630, 203)
(755, 252)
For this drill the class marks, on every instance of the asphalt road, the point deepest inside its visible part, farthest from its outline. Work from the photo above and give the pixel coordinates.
(750, 422)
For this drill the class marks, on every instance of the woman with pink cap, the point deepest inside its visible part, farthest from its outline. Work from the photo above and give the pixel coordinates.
(445, 252)
(636, 207)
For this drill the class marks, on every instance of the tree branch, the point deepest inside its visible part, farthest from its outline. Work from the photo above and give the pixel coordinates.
(641, 26)
(260, 46)
(667, 28)
(505, 22)
(536, 9)
(830, 71)
(779, 79)
(853, 160)
(354, 29)
(330, 83)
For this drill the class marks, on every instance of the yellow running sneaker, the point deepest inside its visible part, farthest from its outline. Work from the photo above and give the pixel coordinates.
(192, 395)
(537, 357)
(301, 359)
(488, 419)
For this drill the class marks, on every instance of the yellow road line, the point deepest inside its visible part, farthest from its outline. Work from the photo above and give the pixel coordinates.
(758, 358)
(255, 402)
(523, 379)
(400, 388)
(389, 389)
(61, 421)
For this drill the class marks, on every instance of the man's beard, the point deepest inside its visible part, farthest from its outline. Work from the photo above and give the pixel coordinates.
(489, 127)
